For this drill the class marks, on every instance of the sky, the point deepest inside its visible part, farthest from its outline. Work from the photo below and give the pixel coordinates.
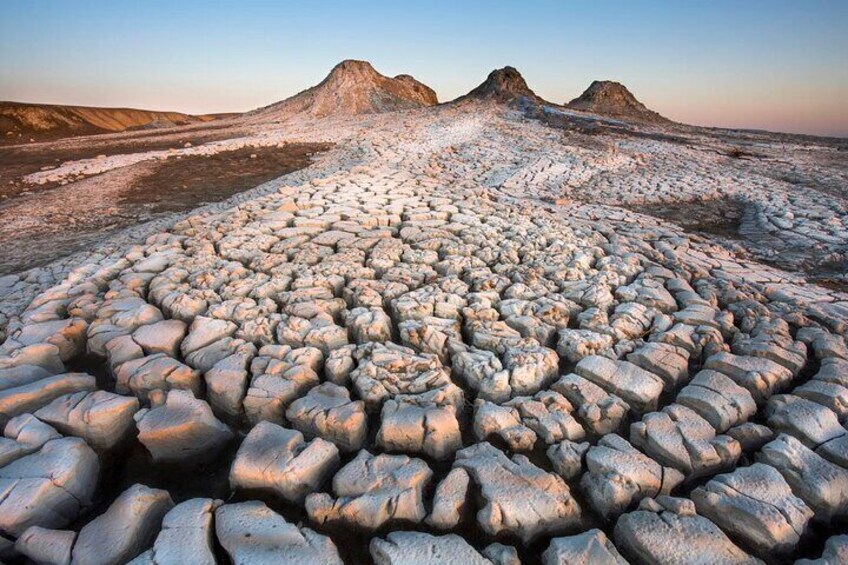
(769, 64)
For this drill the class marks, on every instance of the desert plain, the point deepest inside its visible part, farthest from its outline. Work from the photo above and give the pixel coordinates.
(362, 326)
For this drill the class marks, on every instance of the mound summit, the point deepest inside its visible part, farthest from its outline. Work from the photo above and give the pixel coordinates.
(353, 88)
(610, 98)
(502, 85)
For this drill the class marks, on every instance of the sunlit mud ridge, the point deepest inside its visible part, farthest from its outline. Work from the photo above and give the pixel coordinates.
(447, 340)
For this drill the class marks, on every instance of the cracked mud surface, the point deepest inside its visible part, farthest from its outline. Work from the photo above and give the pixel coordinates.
(460, 333)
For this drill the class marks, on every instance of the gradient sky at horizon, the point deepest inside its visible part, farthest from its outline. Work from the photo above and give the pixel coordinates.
(771, 64)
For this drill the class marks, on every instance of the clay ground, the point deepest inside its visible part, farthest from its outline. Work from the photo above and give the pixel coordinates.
(558, 289)
(17, 161)
(56, 220)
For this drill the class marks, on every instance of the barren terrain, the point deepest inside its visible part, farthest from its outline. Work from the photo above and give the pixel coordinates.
(63, 218)
(496, 330)
(29, 123)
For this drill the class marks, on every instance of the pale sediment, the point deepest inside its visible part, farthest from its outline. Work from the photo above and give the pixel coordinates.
(411, 335)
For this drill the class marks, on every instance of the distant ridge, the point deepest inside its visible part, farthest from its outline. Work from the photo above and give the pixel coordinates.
(352, 88)
(21, 121)
(502, 85)
(613, 99)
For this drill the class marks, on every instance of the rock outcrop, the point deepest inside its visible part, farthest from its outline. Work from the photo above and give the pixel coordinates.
(49, 121)
(614, 100)
(352, 88)
(502, 85)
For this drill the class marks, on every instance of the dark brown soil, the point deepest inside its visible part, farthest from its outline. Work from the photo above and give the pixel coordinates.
(181, 184)
(19, 161)
(713, 218)
(574, 123)
(829, 273)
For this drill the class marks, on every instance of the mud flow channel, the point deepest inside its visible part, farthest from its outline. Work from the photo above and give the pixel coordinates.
(60, 220)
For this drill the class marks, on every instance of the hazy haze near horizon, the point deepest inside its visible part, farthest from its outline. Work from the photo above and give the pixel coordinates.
(777, 65)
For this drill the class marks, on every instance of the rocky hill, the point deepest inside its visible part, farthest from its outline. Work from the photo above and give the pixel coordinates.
(502, 85)
(20, 122)
(353, 88)
(613, 99)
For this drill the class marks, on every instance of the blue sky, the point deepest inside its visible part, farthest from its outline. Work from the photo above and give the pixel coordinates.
(773, 64)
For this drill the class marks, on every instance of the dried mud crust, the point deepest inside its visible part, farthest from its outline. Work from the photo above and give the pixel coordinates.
(61, 220)
(744, 189)
(404, 352)
(722, 220)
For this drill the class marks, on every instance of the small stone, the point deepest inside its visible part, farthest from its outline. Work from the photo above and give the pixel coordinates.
(501, 554)
(521, 499)
(31, 397)
(639, 388)
(186, 535)
(567, 458)
(669, 533)
(101, 418)
(819, 483)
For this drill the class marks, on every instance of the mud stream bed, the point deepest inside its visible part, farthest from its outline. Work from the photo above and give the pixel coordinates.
(57, 221)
